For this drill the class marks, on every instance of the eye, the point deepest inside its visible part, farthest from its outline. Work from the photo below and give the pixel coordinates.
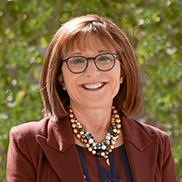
(77, 60)
(105, 59)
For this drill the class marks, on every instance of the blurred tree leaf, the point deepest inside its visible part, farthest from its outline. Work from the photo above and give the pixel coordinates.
(153, 27)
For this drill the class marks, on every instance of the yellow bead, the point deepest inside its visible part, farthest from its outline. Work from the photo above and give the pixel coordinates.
(116, 115)
(75, 131)
(81, 132)
(74, 125)
(118, 126)
(110, 150)
(113, 142)
(71, 115)
(118, 120)
(113, 107)
(112, 120)
(90, 149)
(78, 136)
(102, 154)
(72, 120)
(118, 132)
(70, 110)
(115, 130)
(114, 111)
(85, 140)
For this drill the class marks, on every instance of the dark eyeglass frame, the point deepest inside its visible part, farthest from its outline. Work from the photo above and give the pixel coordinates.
(91, 58)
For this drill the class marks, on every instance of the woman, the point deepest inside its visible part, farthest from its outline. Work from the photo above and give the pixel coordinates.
(89, 86)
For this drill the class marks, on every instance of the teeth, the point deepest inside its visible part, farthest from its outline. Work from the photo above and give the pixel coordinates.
(94, 86)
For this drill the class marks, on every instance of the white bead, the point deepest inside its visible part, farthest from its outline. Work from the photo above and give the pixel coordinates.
(94, 144)
(114, 138)
(87, 145)
(108, 142)
(111, 146)
(91, 140)
(108, 137)
(79, 126)
(93, 152)
(103, 147)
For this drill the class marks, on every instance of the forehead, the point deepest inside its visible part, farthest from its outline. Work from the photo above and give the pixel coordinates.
(87, 42)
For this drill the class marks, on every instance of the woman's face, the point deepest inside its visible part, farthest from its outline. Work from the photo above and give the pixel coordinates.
(92, 88)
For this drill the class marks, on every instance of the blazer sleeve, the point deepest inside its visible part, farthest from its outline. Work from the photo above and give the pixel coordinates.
(19, 163)
(168, 167)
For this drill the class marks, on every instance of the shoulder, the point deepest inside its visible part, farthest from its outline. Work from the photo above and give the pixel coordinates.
(163, 142)
(30, 128)
(145, 130)
(23, 137)
(148, 129)
(152, 130)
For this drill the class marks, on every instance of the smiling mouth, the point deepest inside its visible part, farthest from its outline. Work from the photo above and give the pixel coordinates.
(93, 86)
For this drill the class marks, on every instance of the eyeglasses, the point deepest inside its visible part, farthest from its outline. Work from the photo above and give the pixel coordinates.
(103, 62)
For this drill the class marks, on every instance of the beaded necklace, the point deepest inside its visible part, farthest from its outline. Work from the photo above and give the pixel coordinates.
(104, 147)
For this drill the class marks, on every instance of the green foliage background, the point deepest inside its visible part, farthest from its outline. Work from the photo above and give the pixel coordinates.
(154, 28)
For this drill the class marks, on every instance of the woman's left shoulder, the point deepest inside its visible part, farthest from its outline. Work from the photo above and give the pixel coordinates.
(154, 130)
(163, 138)
(148, 130)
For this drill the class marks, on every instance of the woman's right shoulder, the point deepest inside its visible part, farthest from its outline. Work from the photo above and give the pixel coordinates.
(30, 129)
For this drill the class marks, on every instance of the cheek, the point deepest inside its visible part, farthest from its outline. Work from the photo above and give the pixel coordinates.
(69, 79)
(117, 77)
(65, 74)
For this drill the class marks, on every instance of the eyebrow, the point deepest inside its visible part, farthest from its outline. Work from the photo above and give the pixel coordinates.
(81, 53)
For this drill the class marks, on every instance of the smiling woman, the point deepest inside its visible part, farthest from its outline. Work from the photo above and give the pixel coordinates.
(90, 89)
(97, 83)
(90, 33)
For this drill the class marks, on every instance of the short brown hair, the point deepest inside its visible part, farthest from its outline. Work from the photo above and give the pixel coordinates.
(55, 99)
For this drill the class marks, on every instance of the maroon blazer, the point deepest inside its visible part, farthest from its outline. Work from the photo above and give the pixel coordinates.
(44, 151)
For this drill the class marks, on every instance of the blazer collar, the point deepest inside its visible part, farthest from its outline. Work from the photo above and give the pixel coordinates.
(60, 137)
(134, 134)
(142, 150)
(60, 151)
(59, 134)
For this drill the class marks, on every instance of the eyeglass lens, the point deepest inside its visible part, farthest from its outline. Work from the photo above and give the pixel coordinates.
(103, 62)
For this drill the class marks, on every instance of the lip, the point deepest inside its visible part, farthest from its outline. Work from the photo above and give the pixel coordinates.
(93, 86)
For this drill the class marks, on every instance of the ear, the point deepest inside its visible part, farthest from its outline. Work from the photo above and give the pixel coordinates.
(61, 81)
(121, 79)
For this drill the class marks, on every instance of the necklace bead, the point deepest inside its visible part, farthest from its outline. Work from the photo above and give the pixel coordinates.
(104, 147)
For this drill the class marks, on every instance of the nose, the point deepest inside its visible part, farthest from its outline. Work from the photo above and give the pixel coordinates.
(91, 70)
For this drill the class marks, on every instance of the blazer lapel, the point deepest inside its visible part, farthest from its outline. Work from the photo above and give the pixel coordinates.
(142, 150)
(61, 152)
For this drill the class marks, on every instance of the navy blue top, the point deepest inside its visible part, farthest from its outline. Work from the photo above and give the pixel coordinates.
(115, 168)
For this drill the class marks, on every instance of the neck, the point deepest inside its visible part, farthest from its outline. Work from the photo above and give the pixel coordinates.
(95, 121)
(98, 146)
